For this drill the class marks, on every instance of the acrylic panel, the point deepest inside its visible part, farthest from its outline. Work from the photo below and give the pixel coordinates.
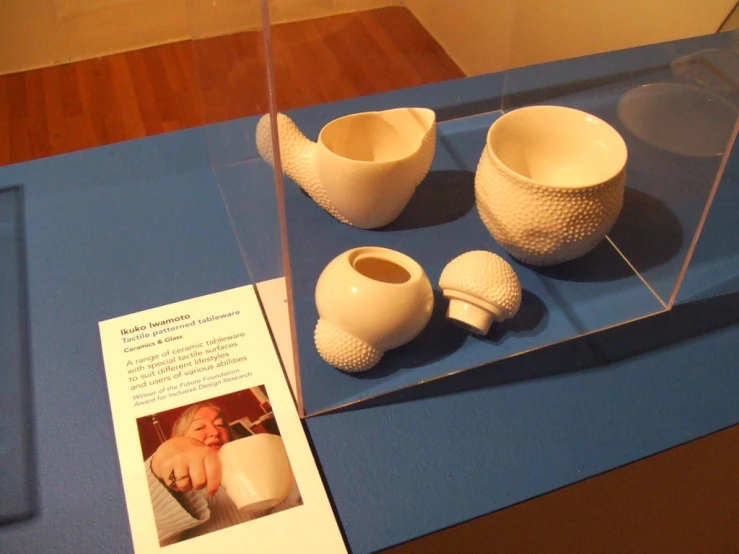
(673, 104)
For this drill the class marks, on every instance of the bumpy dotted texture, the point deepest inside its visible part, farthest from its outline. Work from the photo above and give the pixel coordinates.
(343, 350)
(542, 225)
(424, 157)
(486, 276)
(297, 156)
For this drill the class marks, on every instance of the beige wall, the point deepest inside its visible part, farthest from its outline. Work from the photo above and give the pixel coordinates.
(30, 36)
(732, 22)
(484, 36)
(220, 17)
(480, 35)
(475, 33)
(38, 33)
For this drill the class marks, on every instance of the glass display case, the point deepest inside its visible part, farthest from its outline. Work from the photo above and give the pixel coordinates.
(18, 500)
(668, 91)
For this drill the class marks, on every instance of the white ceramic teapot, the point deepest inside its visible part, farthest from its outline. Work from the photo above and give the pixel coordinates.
(364, 168)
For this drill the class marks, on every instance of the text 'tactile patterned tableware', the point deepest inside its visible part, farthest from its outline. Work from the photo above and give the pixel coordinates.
(370, 300)
(550, 182)
(364, 168)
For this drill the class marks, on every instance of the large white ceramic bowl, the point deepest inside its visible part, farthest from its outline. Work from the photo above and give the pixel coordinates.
(550, 182)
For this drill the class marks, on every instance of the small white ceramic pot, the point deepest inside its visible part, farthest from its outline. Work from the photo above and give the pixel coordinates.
(482, 288)
(364, 168)
(370, 300)
(550, 182)
(255, 471)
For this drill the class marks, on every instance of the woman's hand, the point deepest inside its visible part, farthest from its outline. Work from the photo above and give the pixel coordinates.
(184, 463)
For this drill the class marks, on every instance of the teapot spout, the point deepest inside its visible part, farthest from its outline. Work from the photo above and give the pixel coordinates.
(297, 157)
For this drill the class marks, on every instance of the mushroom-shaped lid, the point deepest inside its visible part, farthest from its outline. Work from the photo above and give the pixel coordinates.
(479, 283)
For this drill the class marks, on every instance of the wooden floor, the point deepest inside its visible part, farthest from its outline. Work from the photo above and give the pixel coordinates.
(165, 88)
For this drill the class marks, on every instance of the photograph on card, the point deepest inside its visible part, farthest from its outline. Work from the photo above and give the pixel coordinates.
(214, 464)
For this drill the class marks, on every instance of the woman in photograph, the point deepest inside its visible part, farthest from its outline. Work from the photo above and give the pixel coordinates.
(184, 479)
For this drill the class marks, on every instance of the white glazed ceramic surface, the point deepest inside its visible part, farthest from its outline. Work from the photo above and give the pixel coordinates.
(550, 182)
(255, 471)
(364, 168)
(369, 300)
(482, 288)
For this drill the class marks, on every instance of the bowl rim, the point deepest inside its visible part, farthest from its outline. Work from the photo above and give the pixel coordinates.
(619, 140)
(428, 113)
(412, 267)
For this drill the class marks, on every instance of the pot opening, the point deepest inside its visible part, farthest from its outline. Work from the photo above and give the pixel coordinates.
(557, 147)
(380, 269)
(380, 137)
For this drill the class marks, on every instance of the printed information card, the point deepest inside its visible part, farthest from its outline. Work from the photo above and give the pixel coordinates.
(213, 454)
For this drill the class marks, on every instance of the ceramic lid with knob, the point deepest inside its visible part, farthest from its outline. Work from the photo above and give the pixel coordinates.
(482, 288)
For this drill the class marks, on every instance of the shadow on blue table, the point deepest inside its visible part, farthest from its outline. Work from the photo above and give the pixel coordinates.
(683, 322)
(647, 232)
(442, 197)
(451, 194)
(439, 339)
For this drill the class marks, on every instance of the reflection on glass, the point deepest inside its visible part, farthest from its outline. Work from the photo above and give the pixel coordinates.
(715, 68)
(682, 119)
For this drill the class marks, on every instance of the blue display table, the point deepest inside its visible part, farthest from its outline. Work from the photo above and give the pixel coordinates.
(136, 225)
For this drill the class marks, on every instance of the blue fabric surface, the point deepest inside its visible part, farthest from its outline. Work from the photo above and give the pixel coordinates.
(492, 437)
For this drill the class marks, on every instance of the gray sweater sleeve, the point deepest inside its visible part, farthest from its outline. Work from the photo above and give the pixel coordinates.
(174, 514)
